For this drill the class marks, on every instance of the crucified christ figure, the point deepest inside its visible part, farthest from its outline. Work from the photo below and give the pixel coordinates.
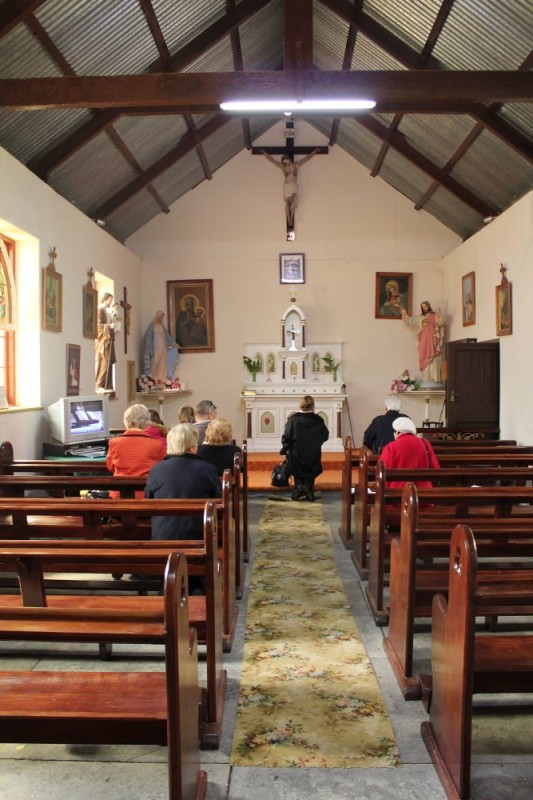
(290, 185)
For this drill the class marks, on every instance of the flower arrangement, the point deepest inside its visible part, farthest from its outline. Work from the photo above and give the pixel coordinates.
(331, 365)
(404, 383)
(253, 365)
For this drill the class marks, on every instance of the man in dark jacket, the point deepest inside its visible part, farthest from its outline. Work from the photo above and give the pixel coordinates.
(181, 475)
(301, 442)
(380, 432)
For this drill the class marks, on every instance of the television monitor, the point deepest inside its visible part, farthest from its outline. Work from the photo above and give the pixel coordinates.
(79, 419)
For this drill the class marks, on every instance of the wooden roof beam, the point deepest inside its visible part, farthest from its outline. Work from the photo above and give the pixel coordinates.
(203, 89)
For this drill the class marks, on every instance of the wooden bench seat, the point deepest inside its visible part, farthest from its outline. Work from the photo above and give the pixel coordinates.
(364, 476)
(33, 560)
(448, 504)
(98, 519)
(413, 583)
(464, 663)
(116, 707)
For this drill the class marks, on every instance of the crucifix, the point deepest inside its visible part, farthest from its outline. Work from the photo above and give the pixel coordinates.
(290, 169)
(127, 308)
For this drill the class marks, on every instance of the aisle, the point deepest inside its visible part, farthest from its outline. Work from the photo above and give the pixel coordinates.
(309, 696)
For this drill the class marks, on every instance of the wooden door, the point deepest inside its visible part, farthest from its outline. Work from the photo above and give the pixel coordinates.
(473, 386)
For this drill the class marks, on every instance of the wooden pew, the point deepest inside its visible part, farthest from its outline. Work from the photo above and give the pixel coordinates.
(31, 559)
(413, 583)
(113, 707)
(100, 478)
(448, 503)
(348, 490)
(365, 489)
(38, 517)
(465, 663)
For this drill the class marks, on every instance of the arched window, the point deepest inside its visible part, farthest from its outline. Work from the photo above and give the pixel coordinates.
(7, 318)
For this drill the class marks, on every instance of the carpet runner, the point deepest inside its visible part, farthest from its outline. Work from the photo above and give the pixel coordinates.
(309, 696)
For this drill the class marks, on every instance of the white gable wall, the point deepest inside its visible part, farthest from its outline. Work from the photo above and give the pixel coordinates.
(348, 225)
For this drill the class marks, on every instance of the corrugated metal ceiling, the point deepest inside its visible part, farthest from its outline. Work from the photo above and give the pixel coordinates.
(101, 166)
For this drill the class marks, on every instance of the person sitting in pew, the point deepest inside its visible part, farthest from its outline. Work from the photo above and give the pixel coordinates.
(134, 452)
(408, 451)
(156, 428)
(181, 475)
(380, 431)
(218, 447)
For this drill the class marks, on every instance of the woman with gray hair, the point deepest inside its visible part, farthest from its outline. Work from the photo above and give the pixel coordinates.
(182, 475)
(134, 453)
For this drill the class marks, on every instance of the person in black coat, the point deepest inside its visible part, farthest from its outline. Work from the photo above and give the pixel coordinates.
(301, 442)
(219, 448)
(181, 475)
(380, 432)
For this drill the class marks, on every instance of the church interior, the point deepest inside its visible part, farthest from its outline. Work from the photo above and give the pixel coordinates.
(122, 177)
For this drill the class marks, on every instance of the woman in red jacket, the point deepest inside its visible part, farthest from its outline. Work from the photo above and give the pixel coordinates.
(408, 451)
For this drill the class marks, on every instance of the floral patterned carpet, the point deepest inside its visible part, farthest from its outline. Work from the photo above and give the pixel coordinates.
(309, 696)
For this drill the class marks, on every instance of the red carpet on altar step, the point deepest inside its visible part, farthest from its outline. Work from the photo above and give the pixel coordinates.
(260, 467)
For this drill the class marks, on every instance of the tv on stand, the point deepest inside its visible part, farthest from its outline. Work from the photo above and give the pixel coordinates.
(78, 427)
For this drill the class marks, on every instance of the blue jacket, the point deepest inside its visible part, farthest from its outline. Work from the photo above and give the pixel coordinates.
(181, 477)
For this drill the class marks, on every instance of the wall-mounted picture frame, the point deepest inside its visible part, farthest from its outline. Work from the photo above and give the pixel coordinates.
(191, 315)
(90, 310)
(292, 268)
(504, 306)
(52, 292)
(131, 381)
(468, 296)
(73, 369)
(394, 292)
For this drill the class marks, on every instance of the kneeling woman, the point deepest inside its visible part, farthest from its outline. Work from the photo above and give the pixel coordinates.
(302, 442)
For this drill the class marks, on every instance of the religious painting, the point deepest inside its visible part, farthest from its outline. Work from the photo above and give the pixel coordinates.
(73, 369)
(394, 291)
(291, 268)
(90, 310)
(504, 307)
(131, 381)
(52, 291)
(469, 298)
(191, 315)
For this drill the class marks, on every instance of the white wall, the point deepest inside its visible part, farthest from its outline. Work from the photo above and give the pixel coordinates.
(40, 218)
(232, 229)
(348, 225)
(508, 240)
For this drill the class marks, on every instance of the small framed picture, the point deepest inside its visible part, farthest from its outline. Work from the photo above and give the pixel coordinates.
(291, 268)
(73, 369)
(52, 298)
(504, 306)
(469, 298)
(394, 291)
(90, 310)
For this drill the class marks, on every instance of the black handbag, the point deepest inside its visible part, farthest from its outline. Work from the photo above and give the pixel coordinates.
(280, 474)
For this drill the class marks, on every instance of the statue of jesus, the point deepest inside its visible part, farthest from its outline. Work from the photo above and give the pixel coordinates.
(290, 186)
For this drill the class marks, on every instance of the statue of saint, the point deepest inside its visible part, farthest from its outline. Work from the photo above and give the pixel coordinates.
(160, 352)
(105, 345)
(430, 329)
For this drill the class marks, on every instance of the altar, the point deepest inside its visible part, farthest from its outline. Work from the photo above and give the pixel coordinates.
(280, 373)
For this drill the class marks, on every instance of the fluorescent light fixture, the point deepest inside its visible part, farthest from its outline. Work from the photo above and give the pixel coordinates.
(288, 106)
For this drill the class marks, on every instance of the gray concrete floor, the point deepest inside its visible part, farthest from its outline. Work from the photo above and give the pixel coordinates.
(139, 773)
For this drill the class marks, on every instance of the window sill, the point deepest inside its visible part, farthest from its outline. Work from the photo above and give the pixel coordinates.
(18, 409)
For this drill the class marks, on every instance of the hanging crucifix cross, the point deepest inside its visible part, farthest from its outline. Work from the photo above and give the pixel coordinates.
(127, 308)
(290, 169)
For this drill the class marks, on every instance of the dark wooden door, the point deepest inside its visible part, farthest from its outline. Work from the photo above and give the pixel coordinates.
(473, 386)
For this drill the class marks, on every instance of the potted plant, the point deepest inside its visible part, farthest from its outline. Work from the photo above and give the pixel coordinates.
(253, 366)
(331, 365)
